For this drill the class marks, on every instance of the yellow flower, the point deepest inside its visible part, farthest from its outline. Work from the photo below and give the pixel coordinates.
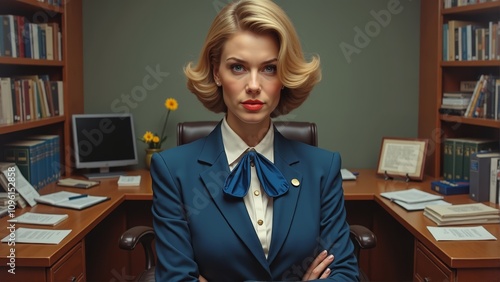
(148, 136)
(171, 104)
(153, 140)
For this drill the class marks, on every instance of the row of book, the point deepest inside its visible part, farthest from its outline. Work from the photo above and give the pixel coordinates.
(459, 3)
(470, 41)
(483, 101)
(37, 157)
(457, 154)
(26, 98)
(20, 38)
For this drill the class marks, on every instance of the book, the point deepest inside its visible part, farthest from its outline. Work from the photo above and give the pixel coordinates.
(471, 146)
(11, 174)
(39, 218)
(124, 180)
(77, 183)
(479, 184)
(37, 236)
(463, 210)
(476, 213)
(446, 187)
(27, 156)
(493, 179)
(52, 156)
(414, 199)
(70, 200)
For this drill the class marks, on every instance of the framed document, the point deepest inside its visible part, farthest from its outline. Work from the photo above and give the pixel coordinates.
(402, 157)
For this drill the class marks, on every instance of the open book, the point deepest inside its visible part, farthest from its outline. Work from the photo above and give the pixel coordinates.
(414, 199)
(70, 200)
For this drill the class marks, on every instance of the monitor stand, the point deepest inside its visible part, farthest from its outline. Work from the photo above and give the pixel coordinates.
(104, 173)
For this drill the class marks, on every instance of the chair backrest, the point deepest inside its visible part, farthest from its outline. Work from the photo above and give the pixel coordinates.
(306, 132)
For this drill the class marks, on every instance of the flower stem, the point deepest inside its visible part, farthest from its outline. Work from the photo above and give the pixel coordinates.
(164, 127)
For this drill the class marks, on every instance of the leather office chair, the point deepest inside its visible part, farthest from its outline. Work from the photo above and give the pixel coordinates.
(306, 132)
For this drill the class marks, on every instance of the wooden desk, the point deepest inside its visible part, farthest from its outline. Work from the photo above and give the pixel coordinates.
(405, 249)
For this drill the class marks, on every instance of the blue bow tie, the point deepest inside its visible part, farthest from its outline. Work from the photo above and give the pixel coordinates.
(271, 179)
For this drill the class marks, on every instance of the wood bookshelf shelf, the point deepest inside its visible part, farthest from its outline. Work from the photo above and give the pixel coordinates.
(10, 128)
(30, 62)
(472, 121)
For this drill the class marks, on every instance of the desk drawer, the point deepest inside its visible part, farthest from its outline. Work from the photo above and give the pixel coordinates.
(71, 267)
(428, 267)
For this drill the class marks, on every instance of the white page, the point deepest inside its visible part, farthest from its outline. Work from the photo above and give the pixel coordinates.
(37, 236)
(420, 205)
(39, 218)
(23, 187)
(460, 233)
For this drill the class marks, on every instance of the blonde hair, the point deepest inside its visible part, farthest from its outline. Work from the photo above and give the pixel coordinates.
(260, 16)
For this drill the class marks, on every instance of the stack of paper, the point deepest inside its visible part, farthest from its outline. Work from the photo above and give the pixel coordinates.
(39, 218)
(476, 213)
(129, 180)
(414, 199)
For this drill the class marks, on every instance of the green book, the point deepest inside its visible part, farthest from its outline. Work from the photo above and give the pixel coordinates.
(472, 146)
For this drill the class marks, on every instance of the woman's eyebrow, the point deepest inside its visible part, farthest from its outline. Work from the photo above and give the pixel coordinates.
(243, 61)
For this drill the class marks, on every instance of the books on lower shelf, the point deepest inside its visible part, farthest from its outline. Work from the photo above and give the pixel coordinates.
(39, 218)
(70, 200)
(414, 199)
(37, 157)
(476, 213)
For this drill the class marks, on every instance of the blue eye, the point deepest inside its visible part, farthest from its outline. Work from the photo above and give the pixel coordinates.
(237, 68)
(270, 69)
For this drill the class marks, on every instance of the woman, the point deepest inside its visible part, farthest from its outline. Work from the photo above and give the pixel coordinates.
(208, 225)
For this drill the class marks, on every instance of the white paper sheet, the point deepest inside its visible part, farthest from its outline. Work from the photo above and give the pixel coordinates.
(460, 233)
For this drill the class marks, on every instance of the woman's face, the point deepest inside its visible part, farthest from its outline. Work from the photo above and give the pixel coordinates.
(248, 76)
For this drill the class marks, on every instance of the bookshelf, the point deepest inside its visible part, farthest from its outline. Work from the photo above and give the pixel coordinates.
(438, 76)
(67, 68)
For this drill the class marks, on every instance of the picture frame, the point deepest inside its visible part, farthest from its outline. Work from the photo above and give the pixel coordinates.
(402, 157)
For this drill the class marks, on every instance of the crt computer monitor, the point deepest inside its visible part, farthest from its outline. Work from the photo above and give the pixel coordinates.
(104, 141)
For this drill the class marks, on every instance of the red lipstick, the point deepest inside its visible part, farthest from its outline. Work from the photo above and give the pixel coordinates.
(253, 105)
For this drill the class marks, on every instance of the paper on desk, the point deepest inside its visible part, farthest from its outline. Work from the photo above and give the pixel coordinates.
(36, 236)
(460, 233)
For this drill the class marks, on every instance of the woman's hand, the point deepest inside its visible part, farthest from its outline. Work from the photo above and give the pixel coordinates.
(202, 279)
(319, 267)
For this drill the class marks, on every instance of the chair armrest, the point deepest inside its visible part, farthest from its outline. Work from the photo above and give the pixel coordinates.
(134, 235)
(143, 234)
(365, 238)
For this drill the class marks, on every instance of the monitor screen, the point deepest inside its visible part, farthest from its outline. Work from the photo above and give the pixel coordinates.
(104, 140)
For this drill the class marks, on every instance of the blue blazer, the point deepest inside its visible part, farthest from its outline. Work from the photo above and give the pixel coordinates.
(201, 230)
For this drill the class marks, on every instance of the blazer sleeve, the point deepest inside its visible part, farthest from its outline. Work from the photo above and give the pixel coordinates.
(173, 245)
(335, 233)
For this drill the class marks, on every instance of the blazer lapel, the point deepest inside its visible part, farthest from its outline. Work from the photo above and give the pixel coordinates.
(284, 207)
(232, 209)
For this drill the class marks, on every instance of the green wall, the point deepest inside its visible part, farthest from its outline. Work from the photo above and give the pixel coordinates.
(369, 51)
